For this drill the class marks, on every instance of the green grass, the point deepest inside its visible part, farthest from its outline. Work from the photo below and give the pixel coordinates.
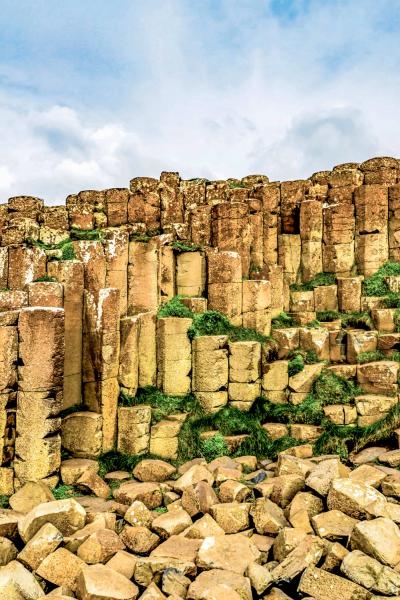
(4, 501)
(282, 321)
(68, 252)
(92, 235)
(174, 308)
(186, 247)
(375, 285)
(366, 357)
(319, 279)
(296, 365)
(327, 316)
(46, 278)
(61, 492)
(392, 300)
(214, 447)
(396, 319)
(162, 405)
(213, 322)
(361, 320)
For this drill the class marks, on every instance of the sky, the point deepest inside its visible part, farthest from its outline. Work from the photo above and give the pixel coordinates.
(94, 93)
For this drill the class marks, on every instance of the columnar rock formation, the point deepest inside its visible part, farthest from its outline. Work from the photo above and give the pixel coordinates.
(81, 285)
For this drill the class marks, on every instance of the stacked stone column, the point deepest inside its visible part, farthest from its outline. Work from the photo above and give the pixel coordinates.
(39, 398)
(225, 284)
(174, 356)
(8, 380)
(101, 359)
(372, 205)
(70, 274)
(244, 374)
(210, 371)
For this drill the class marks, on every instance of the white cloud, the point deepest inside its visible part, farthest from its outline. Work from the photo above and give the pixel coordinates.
(208, 92)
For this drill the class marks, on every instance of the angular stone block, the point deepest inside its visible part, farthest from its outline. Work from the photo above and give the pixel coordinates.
(325, 297)
(190, 273)
(25, 264)
(244, 362)
(128, 374)
(45, 293)
(41, 348)
(143, 276)
(116, 246)
(81, 434)
(134, 429)
(224, 267)
(210, 364)
(349, 293)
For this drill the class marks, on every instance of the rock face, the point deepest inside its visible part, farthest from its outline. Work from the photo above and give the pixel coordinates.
(149, 321)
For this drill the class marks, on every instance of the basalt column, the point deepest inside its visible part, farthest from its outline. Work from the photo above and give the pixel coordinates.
(39, 399)
(101, 359)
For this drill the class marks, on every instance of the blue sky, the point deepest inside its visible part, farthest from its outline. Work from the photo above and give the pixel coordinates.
(93, 93)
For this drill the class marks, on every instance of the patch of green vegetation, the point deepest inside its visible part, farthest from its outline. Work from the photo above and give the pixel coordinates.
(327, 316)
(174, 308)
(392, 300)
(160, 509)
(214, 447)
(329, 388)
(73, 409)
(186, 247)
(61, 492)
(375, 285)
(5, 290)
(117, 461)
(296, 365)
(236, 184)
(162, 405)
(139, 237)
(359, 320)
(4, 501)
(213, 322)
(314, 324)
(319, 279)
(309, 357)
(396, 319)
(46, 279)
(366, 357)
(92, 235)
(282, 321)
(68, 252)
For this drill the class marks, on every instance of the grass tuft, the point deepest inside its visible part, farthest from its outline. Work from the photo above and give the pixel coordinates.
(376, 285)
(366, 357)
(62, 492)
(319, 279)
(282, 321)
(174, 308)
(214, 447)
(186, 247)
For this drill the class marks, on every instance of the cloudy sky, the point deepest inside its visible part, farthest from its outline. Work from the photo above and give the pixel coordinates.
(95, 92)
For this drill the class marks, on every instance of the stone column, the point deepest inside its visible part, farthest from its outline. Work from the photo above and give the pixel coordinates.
(134, 429)
(394, 222)
(225, 284)
(116, 246)
(244, 374)
(91, 254)
(349, 293)
(200, 225)
(70, 274)
(311, 238)
(256, 305)
(39, 400)
(116, 205)
(289, 255)
(144, 203)
(101, 349)
(128, 374)
(174, 356)
(210, 371)
(171, 199)
(190, 273)
(338, 238)
(143, 276)
(372, 206)
(8, 378)
(231, 231)
(147, 349)
(3, 268)
(292, 195)
(25, 264)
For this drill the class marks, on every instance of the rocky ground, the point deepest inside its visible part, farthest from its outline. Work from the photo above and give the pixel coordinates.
(303, 527)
